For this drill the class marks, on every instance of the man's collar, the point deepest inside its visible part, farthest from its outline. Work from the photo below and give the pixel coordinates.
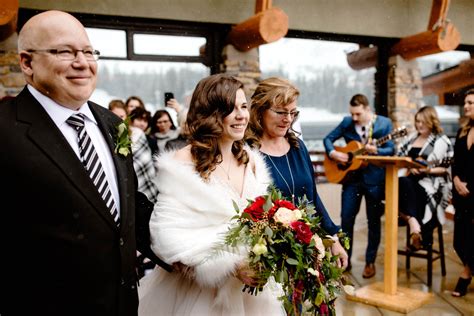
(58, 113)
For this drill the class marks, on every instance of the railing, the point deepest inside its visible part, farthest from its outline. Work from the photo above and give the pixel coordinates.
(317, 158)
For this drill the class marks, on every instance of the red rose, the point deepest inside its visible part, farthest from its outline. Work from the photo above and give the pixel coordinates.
(285, 203)
(298, 292)
(255, 210)
(303, 232)
(323, 309)
(280, 203)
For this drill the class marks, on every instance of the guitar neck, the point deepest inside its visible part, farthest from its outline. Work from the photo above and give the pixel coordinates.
(378, 142)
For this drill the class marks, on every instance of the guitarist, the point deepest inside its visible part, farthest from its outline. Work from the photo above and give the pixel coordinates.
(425, 192)
(363, 126)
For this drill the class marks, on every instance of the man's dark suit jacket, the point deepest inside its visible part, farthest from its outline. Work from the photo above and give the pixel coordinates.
(371, 175)
(62, 253)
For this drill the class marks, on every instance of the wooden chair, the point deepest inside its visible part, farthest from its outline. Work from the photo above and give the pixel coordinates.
(428, 253)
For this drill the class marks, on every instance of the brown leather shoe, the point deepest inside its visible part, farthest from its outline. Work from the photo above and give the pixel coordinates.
(369, 271)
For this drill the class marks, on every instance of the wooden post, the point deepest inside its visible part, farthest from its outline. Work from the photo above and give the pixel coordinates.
(262, 28)
(8, 18)
(439, 12)
(262, 5)
(391, 229)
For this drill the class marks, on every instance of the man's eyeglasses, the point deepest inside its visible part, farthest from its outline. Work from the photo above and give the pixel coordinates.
(292, 114)
(68, 53)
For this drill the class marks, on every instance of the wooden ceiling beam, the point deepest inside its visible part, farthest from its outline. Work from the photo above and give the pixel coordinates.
(441, 36)
(450, 80)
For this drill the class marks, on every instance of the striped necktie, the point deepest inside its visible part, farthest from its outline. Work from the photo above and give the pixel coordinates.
(91, 162)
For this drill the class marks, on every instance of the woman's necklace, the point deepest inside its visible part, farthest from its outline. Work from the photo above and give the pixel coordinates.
(292, 192)
(226, 172)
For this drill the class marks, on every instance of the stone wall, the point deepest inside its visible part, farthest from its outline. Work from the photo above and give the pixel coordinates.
(405, 95)
(11, 77)
(245, 66)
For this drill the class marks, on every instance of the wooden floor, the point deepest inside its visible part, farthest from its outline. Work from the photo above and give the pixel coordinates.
(441, 304)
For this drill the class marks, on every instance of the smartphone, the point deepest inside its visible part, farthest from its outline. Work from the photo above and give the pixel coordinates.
(168, 96)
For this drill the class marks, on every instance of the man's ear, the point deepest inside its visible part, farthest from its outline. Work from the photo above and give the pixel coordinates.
(25, 63)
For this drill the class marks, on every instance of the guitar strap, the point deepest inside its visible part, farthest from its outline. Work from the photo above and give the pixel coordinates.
(371, 128)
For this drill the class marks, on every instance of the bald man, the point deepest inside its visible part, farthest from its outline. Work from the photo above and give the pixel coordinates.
(71, 218)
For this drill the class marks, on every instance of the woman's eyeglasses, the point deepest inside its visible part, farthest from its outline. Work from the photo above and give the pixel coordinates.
(282, 114)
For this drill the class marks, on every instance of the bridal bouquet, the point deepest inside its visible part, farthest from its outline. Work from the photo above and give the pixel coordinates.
(287, 243)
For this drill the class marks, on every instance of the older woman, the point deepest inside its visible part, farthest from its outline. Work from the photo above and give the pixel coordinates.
(424, 193)
(272, 114)
(463, 198)
(197, 186)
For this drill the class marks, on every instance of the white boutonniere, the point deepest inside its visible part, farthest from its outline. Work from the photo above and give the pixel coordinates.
(122, 140)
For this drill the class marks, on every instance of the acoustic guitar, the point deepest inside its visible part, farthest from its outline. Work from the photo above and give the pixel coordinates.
(339, 172)
(445, 162)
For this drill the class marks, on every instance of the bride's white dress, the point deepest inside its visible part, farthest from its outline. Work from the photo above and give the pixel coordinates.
(187, 226)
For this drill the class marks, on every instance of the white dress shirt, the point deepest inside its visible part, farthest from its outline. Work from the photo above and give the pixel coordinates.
(59, 114)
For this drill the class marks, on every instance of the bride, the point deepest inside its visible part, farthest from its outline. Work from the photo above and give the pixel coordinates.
(198, 185)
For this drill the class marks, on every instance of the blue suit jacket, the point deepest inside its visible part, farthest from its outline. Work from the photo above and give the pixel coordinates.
(346, 129)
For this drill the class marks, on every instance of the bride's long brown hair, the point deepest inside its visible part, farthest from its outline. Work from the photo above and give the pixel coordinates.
(212, 100)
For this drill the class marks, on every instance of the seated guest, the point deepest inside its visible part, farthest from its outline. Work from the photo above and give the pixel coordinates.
(272, 114)
(425, 192)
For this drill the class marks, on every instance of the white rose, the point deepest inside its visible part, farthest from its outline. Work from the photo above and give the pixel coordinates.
(259, 249)
(349, 289)
(286, 216)
(319, 246)
(313, 272)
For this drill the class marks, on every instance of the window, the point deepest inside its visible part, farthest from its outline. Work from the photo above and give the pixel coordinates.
(319, 69)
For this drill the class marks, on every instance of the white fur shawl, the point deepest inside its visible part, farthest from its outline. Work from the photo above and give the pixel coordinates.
(191, 216)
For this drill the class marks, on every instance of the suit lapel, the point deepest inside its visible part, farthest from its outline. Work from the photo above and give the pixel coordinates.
(108, 129)
(46, 135)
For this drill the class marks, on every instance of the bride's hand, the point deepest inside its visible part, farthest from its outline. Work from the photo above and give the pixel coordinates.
(246, 275)
(186, 271)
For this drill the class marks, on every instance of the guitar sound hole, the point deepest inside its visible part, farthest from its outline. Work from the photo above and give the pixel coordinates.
(343, 166)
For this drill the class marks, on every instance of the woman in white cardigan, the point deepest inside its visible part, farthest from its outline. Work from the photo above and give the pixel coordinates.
(424, 193)
(198, 185)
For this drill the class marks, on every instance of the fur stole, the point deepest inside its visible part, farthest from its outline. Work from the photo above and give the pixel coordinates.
(191, 217)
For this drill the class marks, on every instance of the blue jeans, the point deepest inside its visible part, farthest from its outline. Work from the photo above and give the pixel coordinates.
(351, 198)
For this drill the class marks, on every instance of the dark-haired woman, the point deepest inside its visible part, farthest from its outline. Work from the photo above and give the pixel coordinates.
(162, 129)
(463, 195)
(197, 185)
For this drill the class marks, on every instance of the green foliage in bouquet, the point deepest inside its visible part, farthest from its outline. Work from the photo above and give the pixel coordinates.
(287, 243)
